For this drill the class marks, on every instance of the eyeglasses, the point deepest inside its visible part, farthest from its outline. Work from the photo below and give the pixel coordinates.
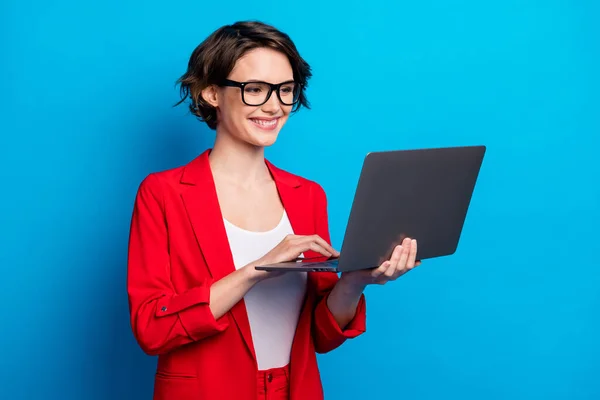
(257, 93)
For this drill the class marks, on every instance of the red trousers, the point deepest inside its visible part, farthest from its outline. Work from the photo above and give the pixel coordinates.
(274, 384)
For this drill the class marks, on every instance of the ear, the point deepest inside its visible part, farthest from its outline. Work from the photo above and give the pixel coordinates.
(210, 95)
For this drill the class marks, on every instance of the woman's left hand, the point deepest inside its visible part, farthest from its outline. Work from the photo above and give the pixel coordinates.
(403, 259)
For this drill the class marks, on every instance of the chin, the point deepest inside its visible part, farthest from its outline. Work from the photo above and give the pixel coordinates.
(263, 141)
(263, 137)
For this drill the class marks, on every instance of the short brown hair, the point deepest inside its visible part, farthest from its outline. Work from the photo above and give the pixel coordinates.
(214, 59)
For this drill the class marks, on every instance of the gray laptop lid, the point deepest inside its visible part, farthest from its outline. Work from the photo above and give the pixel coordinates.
(423, 194)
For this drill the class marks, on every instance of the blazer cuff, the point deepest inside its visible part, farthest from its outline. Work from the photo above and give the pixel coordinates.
(199, 322)
(329, 327)
(193, 309)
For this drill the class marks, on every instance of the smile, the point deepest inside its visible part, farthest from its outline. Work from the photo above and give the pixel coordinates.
(267, 124)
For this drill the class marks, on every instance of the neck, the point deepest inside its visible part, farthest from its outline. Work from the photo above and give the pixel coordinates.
(238, 162)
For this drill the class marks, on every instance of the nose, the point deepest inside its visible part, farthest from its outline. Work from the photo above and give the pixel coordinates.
(272, 105)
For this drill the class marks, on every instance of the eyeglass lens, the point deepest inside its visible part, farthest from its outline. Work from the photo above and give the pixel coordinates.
(255, 93)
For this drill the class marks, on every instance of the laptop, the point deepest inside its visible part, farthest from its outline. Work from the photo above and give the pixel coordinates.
(423, 194)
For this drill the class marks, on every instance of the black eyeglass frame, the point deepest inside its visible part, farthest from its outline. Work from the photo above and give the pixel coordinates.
(272, 87)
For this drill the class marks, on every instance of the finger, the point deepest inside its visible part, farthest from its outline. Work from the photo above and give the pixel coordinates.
(398, 272)
(316, 247)
(412, 255)
(377, 272)
(401, 266)
(299, 245)
(418, 263)
(323, 243)
(404, 256)
(394, 261)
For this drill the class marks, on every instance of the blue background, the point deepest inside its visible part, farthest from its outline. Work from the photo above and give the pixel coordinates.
(86, 96)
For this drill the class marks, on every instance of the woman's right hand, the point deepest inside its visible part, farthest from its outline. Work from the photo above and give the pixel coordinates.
(289, 249)
(293, 245)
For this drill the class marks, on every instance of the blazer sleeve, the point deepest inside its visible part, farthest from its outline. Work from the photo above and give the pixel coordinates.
(161, 319)
(327, 334)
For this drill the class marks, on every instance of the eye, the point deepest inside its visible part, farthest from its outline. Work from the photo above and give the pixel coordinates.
(287, 89)
(255, 88)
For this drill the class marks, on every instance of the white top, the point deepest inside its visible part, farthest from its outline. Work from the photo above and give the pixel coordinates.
(274, 304)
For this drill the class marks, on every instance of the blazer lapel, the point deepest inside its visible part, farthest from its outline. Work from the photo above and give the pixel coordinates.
(298, 210)
(202, 206)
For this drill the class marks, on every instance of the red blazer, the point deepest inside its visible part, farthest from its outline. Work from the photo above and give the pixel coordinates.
(178, 247)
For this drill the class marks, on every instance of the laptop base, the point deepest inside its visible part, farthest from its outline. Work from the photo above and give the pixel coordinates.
(324, 266)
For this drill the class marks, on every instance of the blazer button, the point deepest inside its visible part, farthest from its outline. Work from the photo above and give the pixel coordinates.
(163, 309)
(270, 378)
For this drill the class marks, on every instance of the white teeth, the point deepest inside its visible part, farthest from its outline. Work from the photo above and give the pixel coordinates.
(262, 122)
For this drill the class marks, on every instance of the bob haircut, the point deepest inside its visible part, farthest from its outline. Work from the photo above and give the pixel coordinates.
(213, 60)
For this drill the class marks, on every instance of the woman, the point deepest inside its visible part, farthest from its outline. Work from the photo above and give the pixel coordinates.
(221, 328)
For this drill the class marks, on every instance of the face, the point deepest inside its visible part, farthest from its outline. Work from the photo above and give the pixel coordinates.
(255, 125)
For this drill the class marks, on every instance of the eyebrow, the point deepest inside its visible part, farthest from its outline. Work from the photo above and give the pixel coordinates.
(258, 80)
